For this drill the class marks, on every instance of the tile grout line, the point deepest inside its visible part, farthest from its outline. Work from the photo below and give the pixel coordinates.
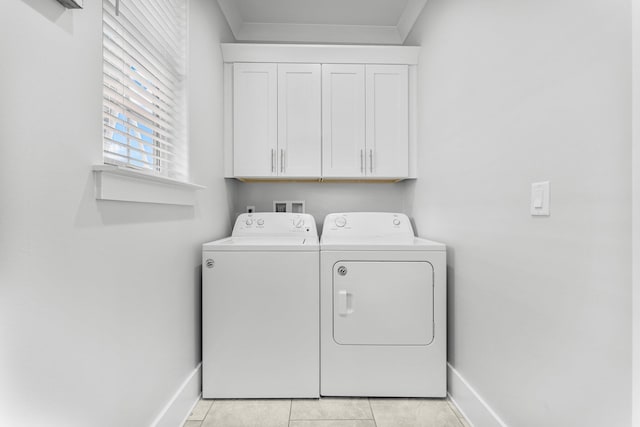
(190, 415)
(373, 416)
(208, 410)
(457, 413)
(333, 419)
(290, 409)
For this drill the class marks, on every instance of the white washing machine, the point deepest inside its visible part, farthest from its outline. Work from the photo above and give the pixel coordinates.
(383, 308)
(260, 309)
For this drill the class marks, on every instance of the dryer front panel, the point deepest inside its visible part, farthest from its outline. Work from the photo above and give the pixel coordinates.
(383, 303)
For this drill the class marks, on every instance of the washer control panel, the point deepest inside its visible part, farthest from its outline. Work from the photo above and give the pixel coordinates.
(340, 221)
(275, 224)
(364, 225)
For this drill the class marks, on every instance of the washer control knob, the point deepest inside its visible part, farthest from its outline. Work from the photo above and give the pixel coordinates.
(210, 263)
(249, 221)
(260, 221)
(341, 221)
(396, 221)
(298, 222)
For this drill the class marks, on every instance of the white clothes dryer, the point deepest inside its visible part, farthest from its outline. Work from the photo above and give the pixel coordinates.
(383, 308)
(260, 309)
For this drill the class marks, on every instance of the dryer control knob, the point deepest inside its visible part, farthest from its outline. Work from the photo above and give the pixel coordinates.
(341, 221)
(396, 221)
(249, 222)
(298, 222)
(261, 221)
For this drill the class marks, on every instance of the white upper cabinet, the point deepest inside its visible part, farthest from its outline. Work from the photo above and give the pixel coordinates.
(387, 120)
(255, 120)
(365, 128)
(320, 112)
(276, 120)
(343, 121)
(299, 120)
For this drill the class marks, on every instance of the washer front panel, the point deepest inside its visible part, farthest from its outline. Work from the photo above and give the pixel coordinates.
(260, 325)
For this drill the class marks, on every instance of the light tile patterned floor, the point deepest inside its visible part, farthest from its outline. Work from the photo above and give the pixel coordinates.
(326, 412)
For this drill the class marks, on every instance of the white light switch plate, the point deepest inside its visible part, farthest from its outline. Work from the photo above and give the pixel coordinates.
(540, 198)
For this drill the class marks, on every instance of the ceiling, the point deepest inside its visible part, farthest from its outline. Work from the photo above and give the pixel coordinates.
(322, 21)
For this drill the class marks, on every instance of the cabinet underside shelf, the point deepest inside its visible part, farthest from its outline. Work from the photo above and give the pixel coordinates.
(324, 180)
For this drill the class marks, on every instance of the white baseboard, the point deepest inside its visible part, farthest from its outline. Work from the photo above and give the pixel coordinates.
(177, 410)
(470, 404)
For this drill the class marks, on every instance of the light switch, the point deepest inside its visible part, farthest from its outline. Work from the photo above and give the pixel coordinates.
(540, 198)
(538, 194)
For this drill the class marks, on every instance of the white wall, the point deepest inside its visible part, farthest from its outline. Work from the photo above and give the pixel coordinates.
(512, 93)
(635, 4)
(99, 301)
(322, 198)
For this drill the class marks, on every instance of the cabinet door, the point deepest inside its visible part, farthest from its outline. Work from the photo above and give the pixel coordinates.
(255, 131)
(387, 132)
(299, 141)
(343, 120)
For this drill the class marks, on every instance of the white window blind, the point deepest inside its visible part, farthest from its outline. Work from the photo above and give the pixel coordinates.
(144, 107)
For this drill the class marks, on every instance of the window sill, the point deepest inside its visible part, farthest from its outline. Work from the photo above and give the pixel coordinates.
(127, 185)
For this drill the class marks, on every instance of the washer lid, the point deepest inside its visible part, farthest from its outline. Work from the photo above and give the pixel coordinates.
(267, 243)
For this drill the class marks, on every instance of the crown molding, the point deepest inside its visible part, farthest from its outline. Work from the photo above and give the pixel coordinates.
(321, 33)
(231, 12)
(409, 17)
(319, 54)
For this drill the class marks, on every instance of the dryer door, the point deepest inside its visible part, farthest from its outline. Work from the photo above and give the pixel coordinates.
(383, 302)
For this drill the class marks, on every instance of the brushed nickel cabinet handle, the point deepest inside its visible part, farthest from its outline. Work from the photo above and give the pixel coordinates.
(281, 161)
(273, 160)
(361, 161)
(371, 161)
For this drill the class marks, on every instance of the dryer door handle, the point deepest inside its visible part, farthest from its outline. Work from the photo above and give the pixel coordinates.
(345, 303)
